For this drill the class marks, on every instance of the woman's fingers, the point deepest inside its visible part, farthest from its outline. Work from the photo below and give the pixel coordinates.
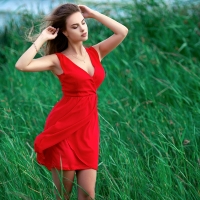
(57, 30)
(82, 8)
(50, 32)
(51, 29)
(86, 11)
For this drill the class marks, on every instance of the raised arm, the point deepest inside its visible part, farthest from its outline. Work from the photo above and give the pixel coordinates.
(120, 31)
(27, 62)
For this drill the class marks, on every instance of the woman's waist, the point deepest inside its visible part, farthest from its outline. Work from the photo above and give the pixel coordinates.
(78, 93)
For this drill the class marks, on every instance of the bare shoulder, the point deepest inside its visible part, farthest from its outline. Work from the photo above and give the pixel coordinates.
(96, 47)
(56, 67)
(43, 63)
(54, 59)
(51, 59)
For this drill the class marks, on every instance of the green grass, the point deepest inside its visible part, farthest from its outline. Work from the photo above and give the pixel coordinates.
(148, 108)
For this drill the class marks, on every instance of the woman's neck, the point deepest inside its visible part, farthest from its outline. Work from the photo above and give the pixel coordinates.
(75, 49)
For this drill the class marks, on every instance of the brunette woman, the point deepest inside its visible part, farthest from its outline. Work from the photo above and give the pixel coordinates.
(69, 143)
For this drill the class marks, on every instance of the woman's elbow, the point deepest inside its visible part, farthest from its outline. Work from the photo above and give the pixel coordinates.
(18, 67)
(125, 30)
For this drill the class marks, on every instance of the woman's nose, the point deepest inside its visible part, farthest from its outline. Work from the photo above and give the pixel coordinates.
(82, 28)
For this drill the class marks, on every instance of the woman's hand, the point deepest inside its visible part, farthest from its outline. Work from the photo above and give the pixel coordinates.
(86, 11)
(49, 33)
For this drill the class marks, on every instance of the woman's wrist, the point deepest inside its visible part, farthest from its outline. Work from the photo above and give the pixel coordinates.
(39, 42)
(41, 39)
(94, 13)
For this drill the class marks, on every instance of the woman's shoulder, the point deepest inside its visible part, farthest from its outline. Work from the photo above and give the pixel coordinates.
(95, 51)
(54, 59)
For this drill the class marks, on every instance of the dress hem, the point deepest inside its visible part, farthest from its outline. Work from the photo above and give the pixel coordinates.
(70, 169)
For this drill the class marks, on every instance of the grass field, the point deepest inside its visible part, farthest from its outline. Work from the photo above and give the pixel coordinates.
(149, 107)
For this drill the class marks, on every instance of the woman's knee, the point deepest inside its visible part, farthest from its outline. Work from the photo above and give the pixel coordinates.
(86, 192)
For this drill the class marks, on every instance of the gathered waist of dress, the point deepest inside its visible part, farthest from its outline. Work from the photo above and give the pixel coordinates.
(79, 94)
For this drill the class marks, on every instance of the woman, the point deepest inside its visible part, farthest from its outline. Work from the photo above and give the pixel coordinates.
(69, 143)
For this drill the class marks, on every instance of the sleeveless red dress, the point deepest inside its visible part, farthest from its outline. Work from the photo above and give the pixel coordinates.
(70, 139)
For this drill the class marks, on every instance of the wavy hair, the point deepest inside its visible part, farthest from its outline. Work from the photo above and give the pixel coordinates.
(57, 19)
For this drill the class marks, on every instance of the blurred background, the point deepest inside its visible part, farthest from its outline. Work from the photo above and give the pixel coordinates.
(10, 6)
(149, 103)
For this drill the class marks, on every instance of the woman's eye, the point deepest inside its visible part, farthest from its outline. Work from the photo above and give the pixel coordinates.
(75, 27)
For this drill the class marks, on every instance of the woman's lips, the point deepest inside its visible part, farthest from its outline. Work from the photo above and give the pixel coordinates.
(84, 35)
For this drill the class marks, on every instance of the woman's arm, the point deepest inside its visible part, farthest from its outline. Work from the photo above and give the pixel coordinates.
(120, 31)
(27, 62)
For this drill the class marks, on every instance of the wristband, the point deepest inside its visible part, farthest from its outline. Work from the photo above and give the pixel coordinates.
(35, 47)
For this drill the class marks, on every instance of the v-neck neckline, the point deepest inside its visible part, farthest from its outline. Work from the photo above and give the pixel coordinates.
(80, 67)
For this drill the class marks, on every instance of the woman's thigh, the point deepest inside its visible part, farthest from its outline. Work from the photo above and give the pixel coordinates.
(63, 181)
(86, 180)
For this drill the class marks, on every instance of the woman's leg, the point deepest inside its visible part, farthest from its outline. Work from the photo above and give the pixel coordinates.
(67, 178)
(86, 180)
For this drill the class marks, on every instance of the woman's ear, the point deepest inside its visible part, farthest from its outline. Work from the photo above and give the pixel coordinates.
(65, 33)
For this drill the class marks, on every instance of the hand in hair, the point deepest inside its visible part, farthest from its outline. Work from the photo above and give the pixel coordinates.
(50, 33)
(86, 11)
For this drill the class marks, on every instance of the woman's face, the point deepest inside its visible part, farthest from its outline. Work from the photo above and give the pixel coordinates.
(76, 28)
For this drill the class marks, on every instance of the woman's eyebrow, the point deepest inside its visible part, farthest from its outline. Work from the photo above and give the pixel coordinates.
(77, 23)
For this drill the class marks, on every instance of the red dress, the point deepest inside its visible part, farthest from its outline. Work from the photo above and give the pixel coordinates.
(70, 140)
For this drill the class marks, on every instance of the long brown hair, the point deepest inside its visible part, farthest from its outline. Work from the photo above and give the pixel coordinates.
(57, 19)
